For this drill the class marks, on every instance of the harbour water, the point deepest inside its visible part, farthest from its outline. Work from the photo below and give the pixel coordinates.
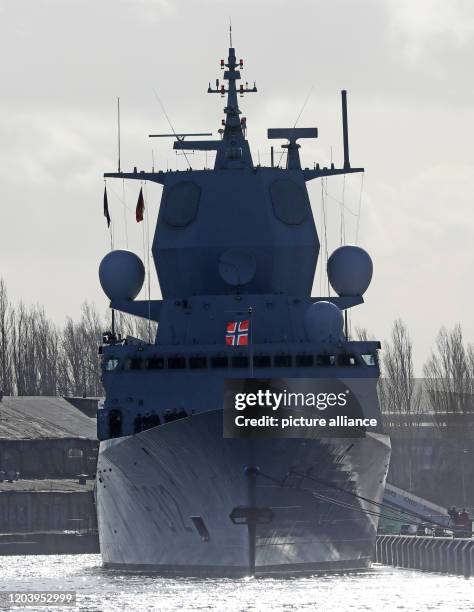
(380, 588)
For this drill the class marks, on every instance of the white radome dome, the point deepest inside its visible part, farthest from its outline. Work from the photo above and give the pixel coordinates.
(324, 322)
(350, 270)
(121, 275)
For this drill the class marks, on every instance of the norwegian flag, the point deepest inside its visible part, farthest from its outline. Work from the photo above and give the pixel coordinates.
(237, 333)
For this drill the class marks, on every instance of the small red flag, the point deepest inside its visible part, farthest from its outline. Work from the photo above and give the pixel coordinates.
(106, 207)
(140, 207)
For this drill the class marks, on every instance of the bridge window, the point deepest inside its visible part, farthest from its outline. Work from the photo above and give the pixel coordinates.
(173, 415)
(111, 363)
(240, 361)
(138, 423)
(198, 362)
(219, 361)
(147, 421)
(304, 361)
(346, 360)
(115, 423)
(176, 363)
(283, 361)
(134, 363)
(262, 361)
(325, 360)
(155, 363)
(369, 359)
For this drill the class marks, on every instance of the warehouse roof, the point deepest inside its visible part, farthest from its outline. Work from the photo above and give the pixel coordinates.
(23, 418)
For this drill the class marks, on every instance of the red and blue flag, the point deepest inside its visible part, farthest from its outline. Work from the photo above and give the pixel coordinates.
(237, 333)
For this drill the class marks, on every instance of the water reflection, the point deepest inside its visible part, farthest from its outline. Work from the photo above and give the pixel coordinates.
(379, 589)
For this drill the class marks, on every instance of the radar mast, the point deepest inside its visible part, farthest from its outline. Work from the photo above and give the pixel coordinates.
(235, 151)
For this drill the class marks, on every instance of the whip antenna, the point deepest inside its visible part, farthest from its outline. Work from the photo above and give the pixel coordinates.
(118, 131)
(169, 123)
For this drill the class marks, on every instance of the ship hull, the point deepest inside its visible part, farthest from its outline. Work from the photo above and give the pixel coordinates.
(165, 495)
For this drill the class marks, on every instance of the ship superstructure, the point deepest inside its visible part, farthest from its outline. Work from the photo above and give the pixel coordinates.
(235, 250)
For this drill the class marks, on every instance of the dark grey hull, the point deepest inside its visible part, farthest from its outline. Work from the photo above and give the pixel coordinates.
(150, 485)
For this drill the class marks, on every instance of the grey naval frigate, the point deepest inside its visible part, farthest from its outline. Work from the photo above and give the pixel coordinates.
(235, 250)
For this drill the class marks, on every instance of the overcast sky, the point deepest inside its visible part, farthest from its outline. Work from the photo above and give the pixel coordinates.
(407, 65)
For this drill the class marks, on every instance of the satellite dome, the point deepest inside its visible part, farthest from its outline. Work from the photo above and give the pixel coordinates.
(237, 266)
(323, 322)
(121, 275)
(350, 270)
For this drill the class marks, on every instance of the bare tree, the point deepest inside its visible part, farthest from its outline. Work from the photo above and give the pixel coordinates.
(449, 373)
(129, 325)
(470, 365)
(400, 398)
(72, 381)
(362, 334)
(38, 358)
(91, 329)
(6, 372)
(23, 351)
(79, 368)
(33, 351)
(46, 347)
(401, 394)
